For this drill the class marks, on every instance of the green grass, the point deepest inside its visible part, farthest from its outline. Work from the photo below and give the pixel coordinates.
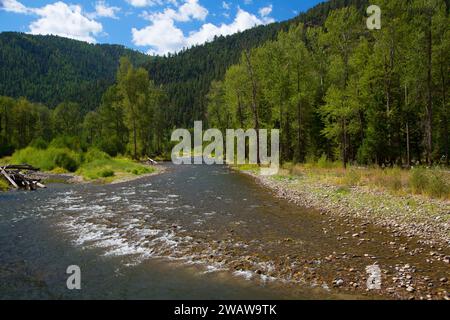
(4, 185)
(111, 169)
(91, 165)
(432, 183)
(48, 159)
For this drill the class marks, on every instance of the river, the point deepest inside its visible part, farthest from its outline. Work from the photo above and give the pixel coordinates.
(193, 232)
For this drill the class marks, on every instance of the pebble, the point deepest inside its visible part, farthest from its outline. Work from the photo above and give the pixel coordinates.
(338, 282)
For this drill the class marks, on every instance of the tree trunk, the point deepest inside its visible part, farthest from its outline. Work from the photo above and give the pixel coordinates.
(135, 139)
(444, 106)
(254, 101)
(408, 150)
(429, 107)
(299, 116)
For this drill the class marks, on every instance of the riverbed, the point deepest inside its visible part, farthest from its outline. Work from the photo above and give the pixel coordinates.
(199, 232)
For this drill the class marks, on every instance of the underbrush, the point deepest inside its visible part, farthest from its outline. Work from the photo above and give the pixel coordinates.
(93, 164)
(4, 185)
(430, 182)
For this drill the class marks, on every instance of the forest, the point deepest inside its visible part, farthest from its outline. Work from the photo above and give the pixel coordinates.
(332, 87)
(355, 95)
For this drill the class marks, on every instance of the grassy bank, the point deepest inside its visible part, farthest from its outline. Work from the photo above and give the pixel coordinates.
(3, 184)
(92, 165)
(431, 183)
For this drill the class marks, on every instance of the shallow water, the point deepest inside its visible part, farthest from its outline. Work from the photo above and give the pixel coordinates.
(194, 232)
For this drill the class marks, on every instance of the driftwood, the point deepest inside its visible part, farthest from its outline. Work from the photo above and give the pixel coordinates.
(151, 162)
(17, 176)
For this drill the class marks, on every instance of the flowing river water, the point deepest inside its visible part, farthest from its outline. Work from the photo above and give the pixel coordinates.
(193, 232)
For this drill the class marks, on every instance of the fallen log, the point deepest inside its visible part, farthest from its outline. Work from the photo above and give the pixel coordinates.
(152, 162)
(20, 180)
(6, 175)
(21, 167)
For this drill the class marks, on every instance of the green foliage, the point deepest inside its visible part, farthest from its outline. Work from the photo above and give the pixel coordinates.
(48, 159)
(329, 85)
(4, 185)
(105, 168)
(39, 143)
(418, 180)
(52, 70)
(106, 173)
(65, 161)
(94, 154)
(437, 186)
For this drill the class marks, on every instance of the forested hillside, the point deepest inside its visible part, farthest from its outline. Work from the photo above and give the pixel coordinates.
(347, 92)
(187, 76)
(51, 69)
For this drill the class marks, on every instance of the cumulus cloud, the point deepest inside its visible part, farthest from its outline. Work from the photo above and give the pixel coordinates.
(163, 36)
(61, 19)
(66, 21)
(190, 10)
(13, 6)
(266, 11)
(102, 9)
(149, 3)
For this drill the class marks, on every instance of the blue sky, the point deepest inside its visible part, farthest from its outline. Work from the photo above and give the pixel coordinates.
(151, 26)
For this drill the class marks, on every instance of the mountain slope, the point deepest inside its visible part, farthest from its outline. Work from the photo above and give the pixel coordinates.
(187, 75)
(50, 69)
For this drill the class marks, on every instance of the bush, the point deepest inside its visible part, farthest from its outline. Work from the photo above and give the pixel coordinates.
(4, 185)
(6, 149)
(95, 154)
(47, 159)
(64, 160)
(39, 143)
(418, 180)
(323, 162)
(352, 178)
(437, 187)
(390, 179)
(106, 173)
(64, 142)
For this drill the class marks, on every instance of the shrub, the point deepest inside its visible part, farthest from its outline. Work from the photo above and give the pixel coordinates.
(64, 160)
(6, 149)
(437, 187)
(352, 178)
(4, 185)
(95, 154)
(418, 180)
(106, 173)
(323, 162)
(65, 142)
(39, 143)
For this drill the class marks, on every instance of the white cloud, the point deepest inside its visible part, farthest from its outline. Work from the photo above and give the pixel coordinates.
(60, 19)
(102, 9)
(191, 9)
(13, 6)
(266, 11)
(164, 36)
(149, 3)
(226, 5)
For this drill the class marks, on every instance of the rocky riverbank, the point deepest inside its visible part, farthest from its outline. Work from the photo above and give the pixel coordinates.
(408, 215)
(407, 237)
